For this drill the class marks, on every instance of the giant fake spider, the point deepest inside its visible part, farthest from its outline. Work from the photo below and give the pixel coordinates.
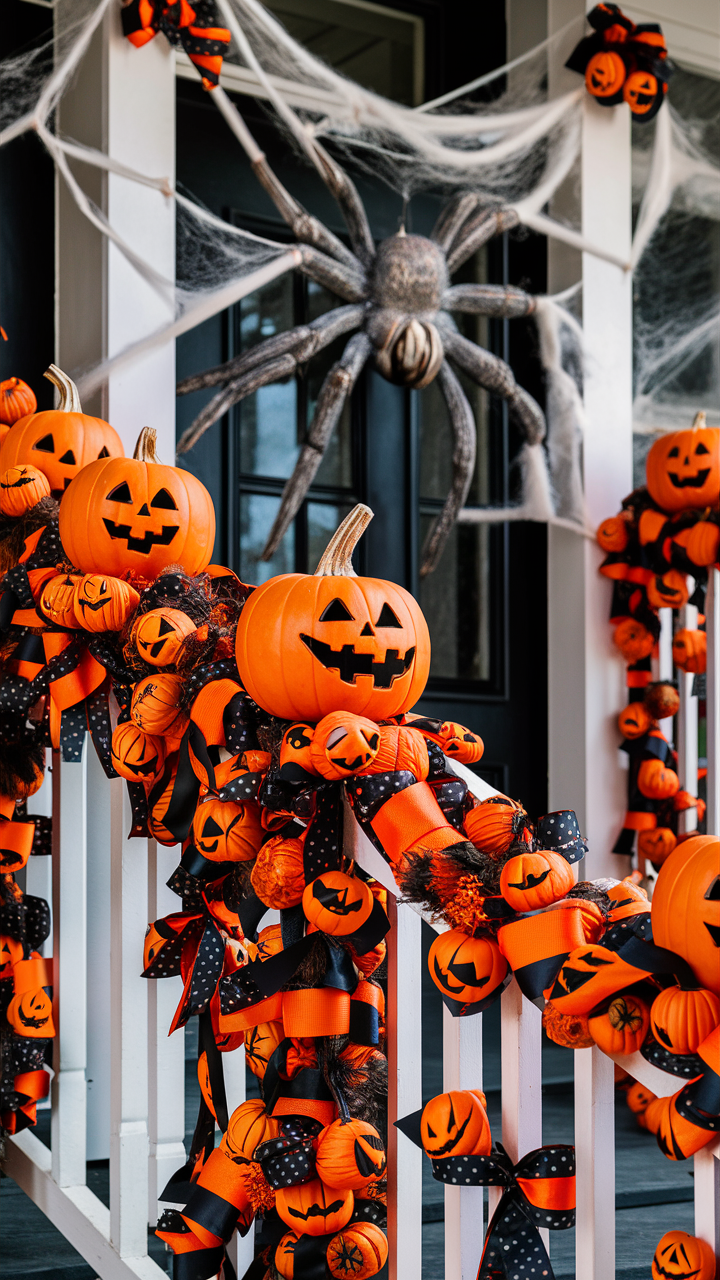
(400, 301)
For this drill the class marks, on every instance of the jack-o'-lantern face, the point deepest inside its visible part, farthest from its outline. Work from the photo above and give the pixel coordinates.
(135, 514)
(643, 94)
(103, 603)
(30, 1014)
(136, 755)
(336, 903)
(57, 601)
(680, 1256)
(260, 1044)
(686, 907)
(455, 1124)
(683, 468)
(313, 1209)
(159, 635)
(635, 720)
(227, 832)
(21, 488)
(10, 952)
(589, 976)
(350, 1154)
(605, 74)
(464, 968)
(309, 645)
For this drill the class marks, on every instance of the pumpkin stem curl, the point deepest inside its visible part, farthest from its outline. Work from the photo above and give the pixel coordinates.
(336, 560)
(69, 394)
(700, 419)
(146, 447)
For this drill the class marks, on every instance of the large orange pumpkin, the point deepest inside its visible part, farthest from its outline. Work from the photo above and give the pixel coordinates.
(60, 442)
(683, 468)
(135, 514)
(312, 1209)
(686, 907)
(311, 644)
(17, 400)
(464, 968)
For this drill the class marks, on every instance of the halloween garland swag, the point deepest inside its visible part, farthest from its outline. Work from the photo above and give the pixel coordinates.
(247, 761)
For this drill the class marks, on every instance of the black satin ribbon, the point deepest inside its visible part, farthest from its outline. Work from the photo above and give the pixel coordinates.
(699, 1102)
(97, 708)
(309, 1083)
(185, 793)
(216, 1075)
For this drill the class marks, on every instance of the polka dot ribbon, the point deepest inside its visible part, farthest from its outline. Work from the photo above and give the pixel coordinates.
(194, 27)
(539, 1192)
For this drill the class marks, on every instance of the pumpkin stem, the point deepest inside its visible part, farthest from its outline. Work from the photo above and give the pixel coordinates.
(700, 419)
(146, 447)
(69, 394)
(336, 560)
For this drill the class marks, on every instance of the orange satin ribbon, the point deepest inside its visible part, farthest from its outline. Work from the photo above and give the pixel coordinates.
(322, 1011)
(413, 820)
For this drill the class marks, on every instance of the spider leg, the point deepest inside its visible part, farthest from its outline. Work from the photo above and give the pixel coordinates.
(235, 390)
(303, 341)
(492, 373)
(352, 208)
(335, 276)
(308, 229)
(488, 300)
(476, 232)
(452, 217)
(334, 392)
(464, 447)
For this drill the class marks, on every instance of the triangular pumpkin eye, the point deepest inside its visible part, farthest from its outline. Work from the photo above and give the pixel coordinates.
(336, 611)
(674, 453)
(68, 458)
(700, 448)
(104, 452)
(211, 827)
(121, 493)
(46, 445)
(713, 893)
(165, 500)
(387, 618)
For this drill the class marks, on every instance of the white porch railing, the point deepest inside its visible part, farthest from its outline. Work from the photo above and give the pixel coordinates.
(112, 1026)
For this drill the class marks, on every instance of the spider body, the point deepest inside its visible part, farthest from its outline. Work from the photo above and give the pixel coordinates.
(399, 310)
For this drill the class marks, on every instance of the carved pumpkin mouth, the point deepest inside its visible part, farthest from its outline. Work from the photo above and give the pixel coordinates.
(465, 974)
(94, 605)
(317, 1210)
(350, 664)
(531, 881)
(689, 482)
(144, 545)
(8, 857)
(436, 1152)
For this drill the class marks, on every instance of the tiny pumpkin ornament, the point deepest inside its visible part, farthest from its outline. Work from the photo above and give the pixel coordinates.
(633, 640)
(656, 781)
(638, 1099)
(314, 1209)
(160, 634)
(686, 908)
(703, 543)
(137, 756)
(605, 75)
(668, 591)
(626, 899)
(455, 1124)
(336, 903)
(681, 1019)
(662, 699)
(10, 952)
(464, 968)
(656, 845)
(350, 1154)
(260, 1044)
(635, 720)
(278, 876)
(17, 400)
(21, 488)
(343, 744)
(224, 831)
(285, 1255)
(60, 442)
(155, 705)
(357, 1252)
(680, 1256)
(690, 651)
(249, 1126)
(104, 604)
(495, 824)
(29, 1013)
(570, 1030)
(683, 468)
(136, 514)
(622, 1028)
(339, 641)
(532, 880)
(612, 534)
(57, 601)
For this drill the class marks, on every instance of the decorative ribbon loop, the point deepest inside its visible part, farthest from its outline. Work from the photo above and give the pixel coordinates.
(194, 27)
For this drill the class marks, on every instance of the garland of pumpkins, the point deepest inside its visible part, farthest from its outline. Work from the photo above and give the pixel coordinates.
(248, 720)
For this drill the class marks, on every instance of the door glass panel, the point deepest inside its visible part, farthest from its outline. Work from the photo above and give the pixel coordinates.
(257, 512)
(456, 602)
(268, 418)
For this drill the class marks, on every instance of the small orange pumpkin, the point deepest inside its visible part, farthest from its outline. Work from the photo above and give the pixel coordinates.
(357, 1252)
(278, 876)
(104, 604)
(57, 601)
(137, 756)
(656, 845)
(464, 968)
(136, 514)
(612, 534)
(10, 952)
(568, 1029)
(682, 1019)
(662, 699)
(337, 903)
(17, 400)
(285, 1255)
(260, 1044)
(683, 468)
(680, 1256)
(640, 91)
(633, 640)
(21, 488)
(249, 1126)
(160, 634)
(623, 1027)
(626, 899)
(60, 442)
(669, 591)
(343, 744)
(532, 880)
(635, 720)
(340, 642)
(702, 543)
(656, 781)
(312, 1209)
(29, 1013)
(638, 1098)
(690, 651)
(494, 824)
(605, 74)
(227, 832)
(350, 1154)
(456, 1124)
(155, 705)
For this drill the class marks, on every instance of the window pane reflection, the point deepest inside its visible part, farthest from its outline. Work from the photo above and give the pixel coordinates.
(268, 419)
(257, 513)
(456, 602)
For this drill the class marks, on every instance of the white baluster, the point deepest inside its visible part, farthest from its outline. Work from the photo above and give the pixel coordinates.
(595, 1160)
(521, 1030)
(687, 729)
(98, 953)
(166, 1054)
(712, 609)
(69, 970)
(38, 872)
(404, 1047)
(706, 1169)
(462, 1069)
